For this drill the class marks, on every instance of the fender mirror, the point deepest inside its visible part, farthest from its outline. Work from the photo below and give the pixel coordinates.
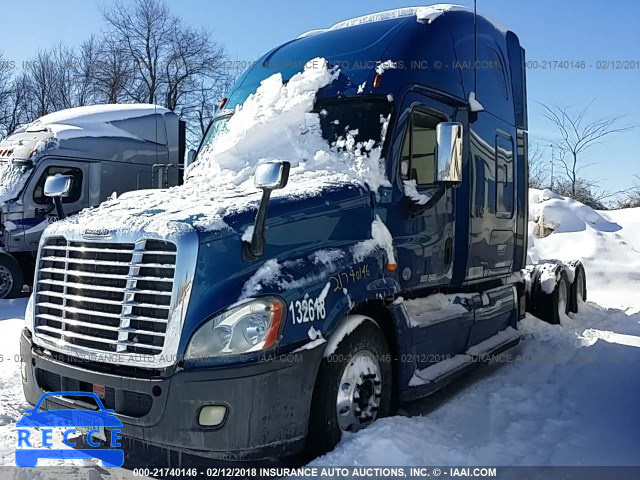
(58, 187)
(449, 153)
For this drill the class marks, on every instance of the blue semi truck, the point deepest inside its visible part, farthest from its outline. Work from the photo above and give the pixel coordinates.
(250, 323)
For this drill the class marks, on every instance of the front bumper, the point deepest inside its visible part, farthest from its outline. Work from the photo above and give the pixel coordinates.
(268, 403)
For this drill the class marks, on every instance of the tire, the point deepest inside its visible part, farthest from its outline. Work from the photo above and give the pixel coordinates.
(11, 277)
(551, 307)
(351, 358)
(578, 290)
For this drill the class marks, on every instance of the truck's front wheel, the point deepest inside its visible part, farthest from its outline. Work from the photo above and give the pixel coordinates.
(11, 278)
(353, 387)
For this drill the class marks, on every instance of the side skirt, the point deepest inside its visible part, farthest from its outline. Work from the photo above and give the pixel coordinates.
(431, 379)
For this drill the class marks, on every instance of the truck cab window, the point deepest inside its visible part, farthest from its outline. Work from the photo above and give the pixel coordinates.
(420, 149)
(76, 187)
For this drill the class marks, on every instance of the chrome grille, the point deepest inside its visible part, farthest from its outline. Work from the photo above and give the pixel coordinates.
(105, 297)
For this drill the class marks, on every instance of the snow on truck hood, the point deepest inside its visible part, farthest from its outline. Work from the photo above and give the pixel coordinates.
(277, 122)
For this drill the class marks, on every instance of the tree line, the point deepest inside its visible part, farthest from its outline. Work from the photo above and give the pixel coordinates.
(145, 54)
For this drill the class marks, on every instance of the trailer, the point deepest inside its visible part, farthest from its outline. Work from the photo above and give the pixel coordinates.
(352, 234)
(105, 149)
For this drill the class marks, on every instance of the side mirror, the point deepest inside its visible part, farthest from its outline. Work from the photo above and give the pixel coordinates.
(191, 156)
(449, 153)
(272, 175)
(269, 176)
(57, 187)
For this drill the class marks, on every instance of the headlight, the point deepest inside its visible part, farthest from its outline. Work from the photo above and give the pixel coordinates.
(250, 327)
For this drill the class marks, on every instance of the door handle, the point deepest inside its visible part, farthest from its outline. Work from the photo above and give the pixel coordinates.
(448, 252)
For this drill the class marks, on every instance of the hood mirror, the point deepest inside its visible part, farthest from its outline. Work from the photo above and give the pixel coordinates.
(58, 187)
(269, 176)
(272, 175)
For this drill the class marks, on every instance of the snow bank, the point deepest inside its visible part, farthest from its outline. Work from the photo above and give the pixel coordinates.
(274, 123)
(607, 243)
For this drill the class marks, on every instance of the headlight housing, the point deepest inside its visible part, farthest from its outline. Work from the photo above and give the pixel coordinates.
(249, 327)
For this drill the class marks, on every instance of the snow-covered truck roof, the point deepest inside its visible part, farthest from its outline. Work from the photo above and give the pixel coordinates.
(69, 130)
(73, 133)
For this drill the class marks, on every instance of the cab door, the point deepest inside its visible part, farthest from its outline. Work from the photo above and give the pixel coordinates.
(39, 210)
(423, 227)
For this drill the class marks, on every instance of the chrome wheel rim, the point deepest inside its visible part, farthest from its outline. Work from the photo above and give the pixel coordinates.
(562, 298)
(359, 392)
(6, 281)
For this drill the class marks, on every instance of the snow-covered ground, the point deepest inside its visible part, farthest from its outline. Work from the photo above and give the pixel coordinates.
(567, 395)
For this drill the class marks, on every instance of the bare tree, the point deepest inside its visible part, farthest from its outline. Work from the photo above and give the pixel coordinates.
(15, 107)
(113, 70)
(538, 167)
(577, 135)
(631, 199)
(39, 74)
(85, 72)
(193, 58)
(144, 29)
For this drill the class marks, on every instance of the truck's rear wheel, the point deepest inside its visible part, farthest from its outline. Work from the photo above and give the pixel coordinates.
(353, 388)
(578, 290)
(555, 305)
(11, 278)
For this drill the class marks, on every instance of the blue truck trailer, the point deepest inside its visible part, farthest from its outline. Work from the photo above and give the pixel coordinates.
(286, 319)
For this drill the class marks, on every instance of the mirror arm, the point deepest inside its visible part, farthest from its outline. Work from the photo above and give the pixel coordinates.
(253, 250)
(57, 201)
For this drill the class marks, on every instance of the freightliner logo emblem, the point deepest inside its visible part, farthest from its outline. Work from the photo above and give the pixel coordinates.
(97, 233)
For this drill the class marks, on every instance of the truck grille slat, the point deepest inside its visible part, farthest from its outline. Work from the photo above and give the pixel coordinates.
(111, 276)
(105, 297)
(86, 286)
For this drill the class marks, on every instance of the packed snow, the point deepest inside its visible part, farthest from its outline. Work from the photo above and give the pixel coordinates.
(437, 307)
(277, 122)
(13, 178)
(474, 104)
(411, 191)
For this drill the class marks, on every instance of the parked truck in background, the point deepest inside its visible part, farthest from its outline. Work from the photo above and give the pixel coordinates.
(104, 148)
(214, 325)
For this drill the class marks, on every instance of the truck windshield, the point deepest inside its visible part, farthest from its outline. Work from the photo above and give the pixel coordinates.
(361, 118)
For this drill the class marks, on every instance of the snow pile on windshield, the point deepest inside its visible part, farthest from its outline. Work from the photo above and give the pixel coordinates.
(277, 122)
(13, 178)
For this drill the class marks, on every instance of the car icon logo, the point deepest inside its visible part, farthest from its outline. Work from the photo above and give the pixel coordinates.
(35, 422)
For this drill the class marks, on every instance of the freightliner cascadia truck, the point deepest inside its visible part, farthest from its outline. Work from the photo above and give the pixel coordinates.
(352, 234)
(103, 148)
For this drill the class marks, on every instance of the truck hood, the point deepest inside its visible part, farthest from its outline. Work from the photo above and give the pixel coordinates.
(212, 212)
